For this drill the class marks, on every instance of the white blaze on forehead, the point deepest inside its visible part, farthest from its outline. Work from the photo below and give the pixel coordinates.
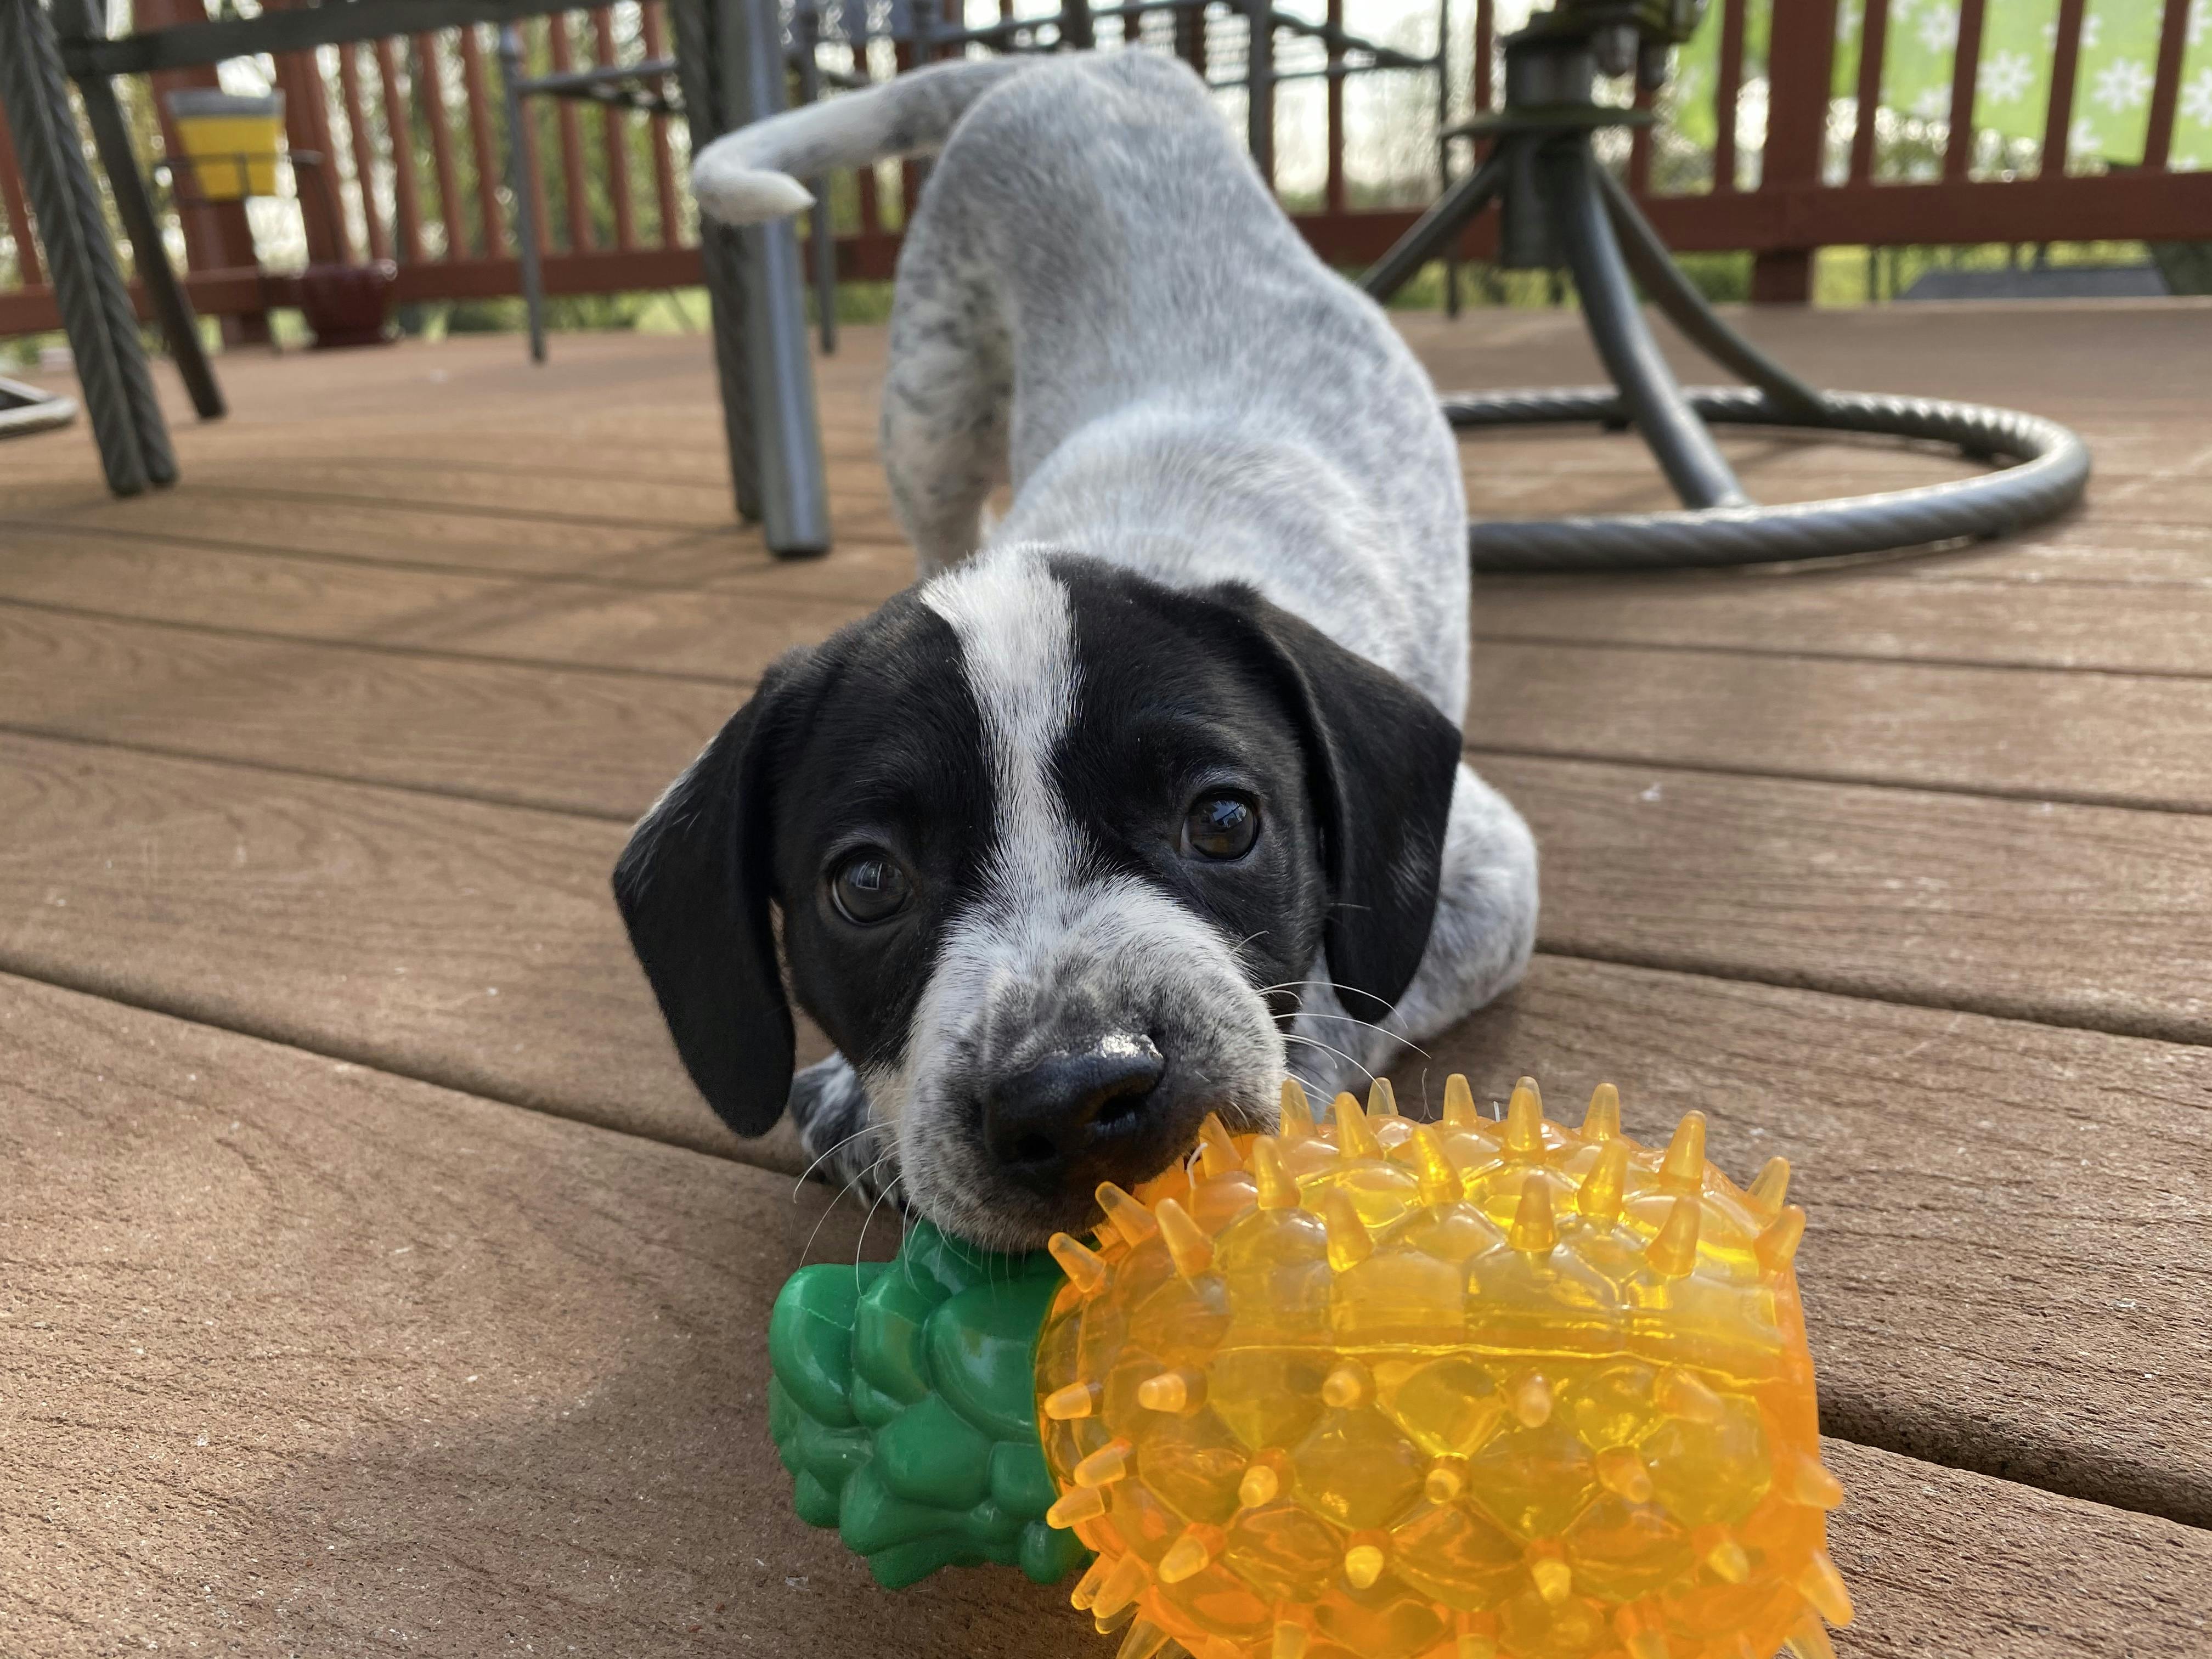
(1017, 642)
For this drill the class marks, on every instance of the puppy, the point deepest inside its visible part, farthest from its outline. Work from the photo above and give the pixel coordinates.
(1149, 796)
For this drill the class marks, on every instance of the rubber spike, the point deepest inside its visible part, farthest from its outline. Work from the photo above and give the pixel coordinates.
(1820, 1584)
(1188, 1247)
(1353, 1137)
(1278, 1191)
(1599, 1196)
(1459, 1102)
(1805, 1482)
(1187, 1558)
(1217, 1152)
(1109, 1463)
(1075, 1400)
(1298, 1113)
(1642, 1628)
(1648, 1645)
(1086, 1588)
(1525, 1119)
(1603, 1121)
(1289, 1641)
(1529, 1399)
(1674, 1251)
(1534, 1230)
(1440, 1182)
(1363, 1565)
(1729, 1562)
(1348, 1242)
(1807, 1640)
(1445, 1480)
(1681, 1394)
(1381, 1098)
(1347, 1386)
(1769, 1188)
(1260, 1486)
(1127, 1216)
(1122, 1587)
(1684, 1166)
(1554, 1578)
(1777, 1247)
(1181, 1389)
(1085, 1267)
(1084, 1504)
(1145, 1638)
(1622, 1472)
(1106, 1626)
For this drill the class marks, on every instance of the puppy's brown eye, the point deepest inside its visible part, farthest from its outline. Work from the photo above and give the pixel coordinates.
(1222, 826)
(870, 887)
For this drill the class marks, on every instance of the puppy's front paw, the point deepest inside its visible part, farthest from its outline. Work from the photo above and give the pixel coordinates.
(829, 1108)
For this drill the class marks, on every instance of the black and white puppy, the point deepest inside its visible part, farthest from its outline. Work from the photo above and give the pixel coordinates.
(1149, 796)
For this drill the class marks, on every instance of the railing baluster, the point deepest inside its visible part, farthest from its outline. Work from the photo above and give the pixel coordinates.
(614, 123)
(483, 147)
(2058, 118)
(1333, 191)
(1639, 149)
(28, 272)
(1965, 72)
(1727, 90)
(581, 237)
(428, 79)
(1486, 52)
(398, 130)
(664, 161)
(2165, 87)
(1874, 41)
(364, 155)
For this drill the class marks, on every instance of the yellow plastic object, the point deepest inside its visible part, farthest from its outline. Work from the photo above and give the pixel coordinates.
(1480, 1389)
(230, 142)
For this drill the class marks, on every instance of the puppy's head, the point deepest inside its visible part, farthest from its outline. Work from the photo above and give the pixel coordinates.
(1054, 850)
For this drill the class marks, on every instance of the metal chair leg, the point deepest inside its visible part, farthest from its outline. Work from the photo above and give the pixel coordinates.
(794, 491)
(510, 71)
(95, 306)
(134, 205)
(1672, 292)
(696, 71)
(1678, 439)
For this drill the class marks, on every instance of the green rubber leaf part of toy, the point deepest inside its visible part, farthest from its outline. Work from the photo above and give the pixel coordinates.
(903, 1404)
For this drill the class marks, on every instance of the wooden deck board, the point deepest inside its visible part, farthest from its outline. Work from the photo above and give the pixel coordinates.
(472, 946)
(521, 1396)
(1899, 869)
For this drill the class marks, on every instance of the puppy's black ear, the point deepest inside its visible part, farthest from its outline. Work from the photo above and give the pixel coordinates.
(693, 886)
(1382, 762)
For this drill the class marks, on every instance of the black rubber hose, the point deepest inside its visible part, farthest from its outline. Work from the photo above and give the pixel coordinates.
(2052, 468)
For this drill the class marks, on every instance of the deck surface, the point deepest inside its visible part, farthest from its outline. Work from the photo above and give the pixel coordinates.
(372, 1280)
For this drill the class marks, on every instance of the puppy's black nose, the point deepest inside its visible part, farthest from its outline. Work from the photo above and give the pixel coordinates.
(1041, 1124)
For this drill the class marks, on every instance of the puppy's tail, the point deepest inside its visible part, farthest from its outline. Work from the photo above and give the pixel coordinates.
(751, 175)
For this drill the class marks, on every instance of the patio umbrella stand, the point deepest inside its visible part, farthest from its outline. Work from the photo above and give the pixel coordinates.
(1559, 206)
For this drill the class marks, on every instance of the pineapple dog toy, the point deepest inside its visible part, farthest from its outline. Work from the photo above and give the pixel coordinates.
(1366, 1389)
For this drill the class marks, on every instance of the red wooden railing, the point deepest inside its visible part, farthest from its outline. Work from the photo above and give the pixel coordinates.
(446, 223)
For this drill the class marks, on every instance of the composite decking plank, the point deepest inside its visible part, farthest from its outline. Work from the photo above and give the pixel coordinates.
(2132, 739)
(1968, 618)
(2128, 739)
(1919, 895)
(476, 946)
(375, 1363)
(671, 631)
(2004, 1266)
(584, 741)
(2121, 628)
(2076, 915)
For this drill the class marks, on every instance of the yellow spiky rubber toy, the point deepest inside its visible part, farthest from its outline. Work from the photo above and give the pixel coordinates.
(1366, 1389)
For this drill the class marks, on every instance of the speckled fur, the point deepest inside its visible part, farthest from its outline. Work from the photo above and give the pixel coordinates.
(1100, 304)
